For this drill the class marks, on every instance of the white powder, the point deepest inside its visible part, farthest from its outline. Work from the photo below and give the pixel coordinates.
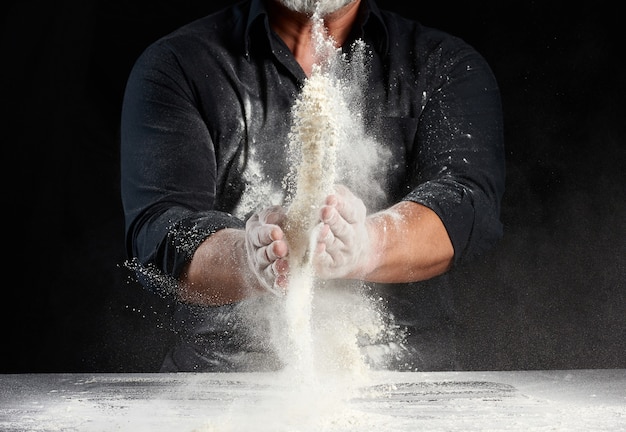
(313, 141)
(258, 190)
(318, 332)
(324, 320)
(319, 116)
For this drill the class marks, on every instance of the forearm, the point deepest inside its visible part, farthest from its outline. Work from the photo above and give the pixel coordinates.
(219, 273)
(408, 243)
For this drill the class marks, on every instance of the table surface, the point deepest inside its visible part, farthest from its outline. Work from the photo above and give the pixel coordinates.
(584, 400)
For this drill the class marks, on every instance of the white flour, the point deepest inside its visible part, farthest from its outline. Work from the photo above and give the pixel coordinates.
(321, 117)
(317, 336)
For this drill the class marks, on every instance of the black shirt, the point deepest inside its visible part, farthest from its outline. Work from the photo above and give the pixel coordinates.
(205, 126)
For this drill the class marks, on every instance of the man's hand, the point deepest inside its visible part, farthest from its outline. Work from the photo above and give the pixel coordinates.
(343, 247)
(266, 248)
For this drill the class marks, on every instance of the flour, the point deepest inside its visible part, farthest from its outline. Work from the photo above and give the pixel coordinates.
(262, 191)
(325, 320)
(318, 330)
(314, 140)
(316, 134)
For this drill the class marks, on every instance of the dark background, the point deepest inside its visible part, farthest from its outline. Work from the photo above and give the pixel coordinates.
(551, 295)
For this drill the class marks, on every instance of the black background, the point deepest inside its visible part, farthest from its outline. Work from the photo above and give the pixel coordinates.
(551, 295)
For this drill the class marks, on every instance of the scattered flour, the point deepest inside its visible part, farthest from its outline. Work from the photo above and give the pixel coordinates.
(321, 118)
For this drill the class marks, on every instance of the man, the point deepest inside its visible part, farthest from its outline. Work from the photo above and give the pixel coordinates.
(205, 131)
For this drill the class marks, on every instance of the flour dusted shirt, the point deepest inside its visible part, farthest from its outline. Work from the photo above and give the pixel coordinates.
(205, 126)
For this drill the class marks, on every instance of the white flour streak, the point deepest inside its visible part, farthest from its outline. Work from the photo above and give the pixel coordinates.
(324, 320)
(321, 323)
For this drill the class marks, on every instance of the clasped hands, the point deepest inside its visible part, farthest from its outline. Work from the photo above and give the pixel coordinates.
(342, 245)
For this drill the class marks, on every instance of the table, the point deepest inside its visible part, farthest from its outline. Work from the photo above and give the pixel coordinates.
(569, 400)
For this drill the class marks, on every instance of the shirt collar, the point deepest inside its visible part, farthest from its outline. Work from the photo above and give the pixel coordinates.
(372, 25)
(257, 16)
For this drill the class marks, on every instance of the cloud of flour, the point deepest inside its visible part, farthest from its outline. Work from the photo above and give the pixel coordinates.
(359, 157)
(328, 143)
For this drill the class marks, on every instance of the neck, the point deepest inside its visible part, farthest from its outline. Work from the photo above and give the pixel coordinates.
(294, 29)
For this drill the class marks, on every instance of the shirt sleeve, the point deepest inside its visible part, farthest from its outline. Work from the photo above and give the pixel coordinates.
(169, 197)
(459, 169)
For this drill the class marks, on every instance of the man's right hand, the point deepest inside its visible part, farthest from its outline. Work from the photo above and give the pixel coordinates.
(267, 249)
(344, 246)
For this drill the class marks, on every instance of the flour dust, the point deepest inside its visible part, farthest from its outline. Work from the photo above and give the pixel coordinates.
(326, 322)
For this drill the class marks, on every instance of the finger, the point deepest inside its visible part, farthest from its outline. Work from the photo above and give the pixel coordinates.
(275, 250)
(261, 259)
(324, 234)
(264, 235)
(281, 267)
(338, 227)
(260, 237)
(276, 233)
(268, 279)
(350, 208)
(280, 285)
(282, 281)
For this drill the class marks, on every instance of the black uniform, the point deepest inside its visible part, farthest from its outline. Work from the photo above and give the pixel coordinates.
(205, 123)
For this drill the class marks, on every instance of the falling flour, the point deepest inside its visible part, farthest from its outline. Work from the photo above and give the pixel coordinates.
(314, 141)
(317, 335)
(320, 119)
